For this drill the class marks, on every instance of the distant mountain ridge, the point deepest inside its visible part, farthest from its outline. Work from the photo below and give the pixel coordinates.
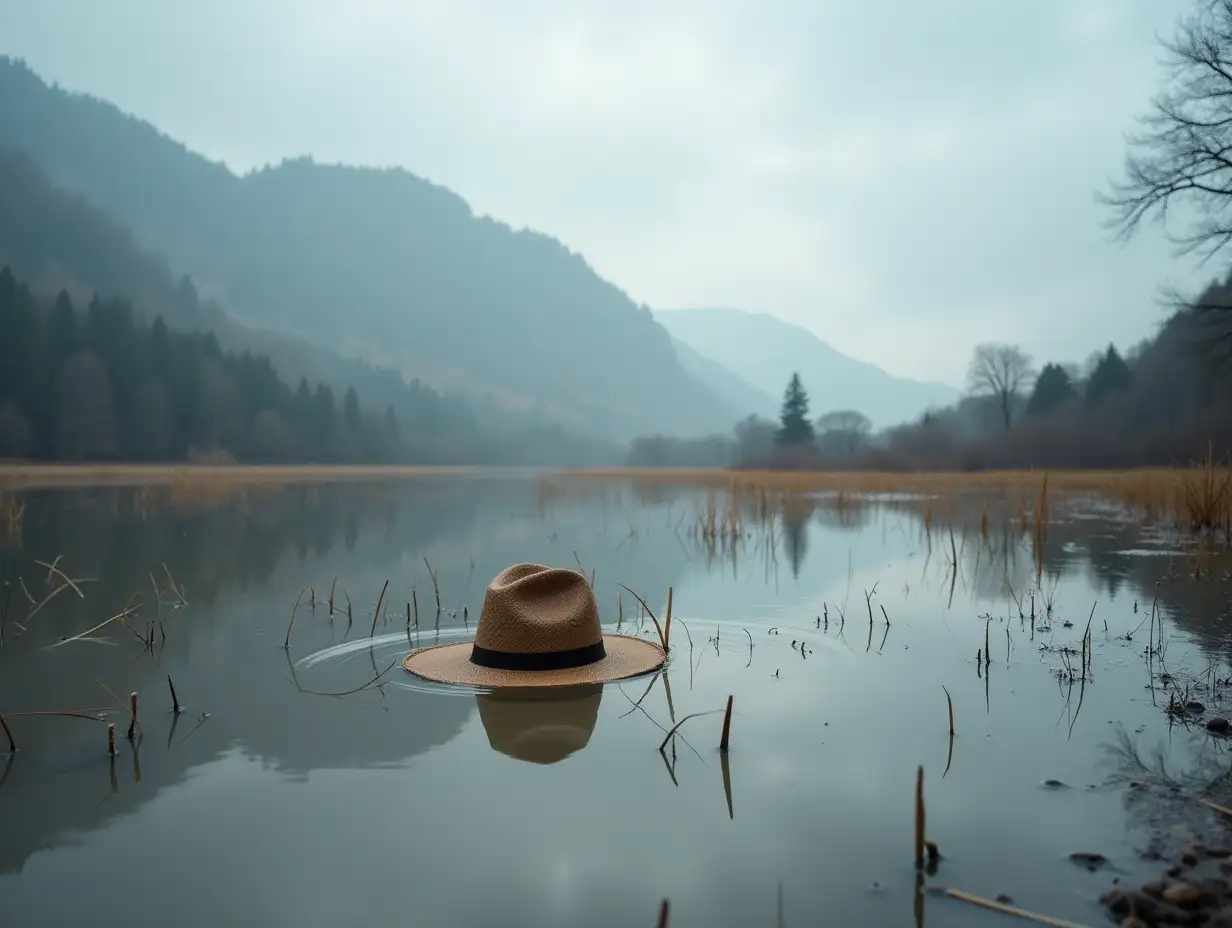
(733, 389)
(763, 351)
(374, 264)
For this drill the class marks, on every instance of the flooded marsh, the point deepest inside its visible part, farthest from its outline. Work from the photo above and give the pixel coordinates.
(1042, 661)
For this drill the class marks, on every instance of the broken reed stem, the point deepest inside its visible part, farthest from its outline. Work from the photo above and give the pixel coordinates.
(287, 641)
(8, 734)
(111, 740)
(987, 650)
(665, 909)
(331, 595)
(132, 721)
(919, 817)
(726, 726)
(1086, 640)
(676, 727)
(883, 612)
(949, 705)
(658, 627)
(380, 602)
(435, 589)
(415, 607)
(175, 700)
(1005, 909)
(667, 621)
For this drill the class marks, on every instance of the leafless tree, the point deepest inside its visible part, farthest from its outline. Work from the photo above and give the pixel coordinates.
(1000, 371)
(844, 428)
(1181, 157)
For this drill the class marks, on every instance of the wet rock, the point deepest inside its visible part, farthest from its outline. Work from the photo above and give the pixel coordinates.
(1218, 724)
(1185, 895)
(1127, 903)
(1091, 861)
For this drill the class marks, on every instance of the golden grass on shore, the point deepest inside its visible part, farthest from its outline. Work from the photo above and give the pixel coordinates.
(40, 476)
(1198, 497)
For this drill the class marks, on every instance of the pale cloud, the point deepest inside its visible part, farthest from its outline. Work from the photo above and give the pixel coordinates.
(905, 179)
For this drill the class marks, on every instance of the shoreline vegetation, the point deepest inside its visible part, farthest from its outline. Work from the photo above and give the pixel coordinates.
(1197, 497)
(41, 476)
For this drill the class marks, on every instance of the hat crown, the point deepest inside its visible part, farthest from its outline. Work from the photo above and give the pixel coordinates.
(534, 609)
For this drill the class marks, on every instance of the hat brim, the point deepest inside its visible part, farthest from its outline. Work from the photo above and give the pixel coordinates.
(451, 663)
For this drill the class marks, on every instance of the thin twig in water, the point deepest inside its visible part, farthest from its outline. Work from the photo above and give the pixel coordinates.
(380, 602)
(287, 641)
(949, 705)
(391, 666)
(673, 729)
(723, 741)
(52, 568)
(650, 612)
(1005, 909)
(175, 700)
(8, 734)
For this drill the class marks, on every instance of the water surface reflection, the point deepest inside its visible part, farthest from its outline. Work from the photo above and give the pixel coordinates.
(833, 623)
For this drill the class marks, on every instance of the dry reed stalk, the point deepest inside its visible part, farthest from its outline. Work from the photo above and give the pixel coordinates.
(658, 628)
(723, 741)
(1011, 910)
(111, 740)
(620, 610)
(46, 599)
(175, 700)
(132, 722)
(1086, 639)
(331, 595)
(287, 641)
(415, 607)
(380, 602)
(8, 734)
(667, 620)
(665, 909)
(987, 650)
(120, 617)
(52, 568)
(436, 589)
(1222, 810)
(919, 817)
(693, 715)
(950, 706)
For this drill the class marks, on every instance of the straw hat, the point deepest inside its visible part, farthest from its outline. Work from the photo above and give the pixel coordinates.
(539, 627)
(540, 725)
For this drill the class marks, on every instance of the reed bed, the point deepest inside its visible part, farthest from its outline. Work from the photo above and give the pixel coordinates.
(1196, 500)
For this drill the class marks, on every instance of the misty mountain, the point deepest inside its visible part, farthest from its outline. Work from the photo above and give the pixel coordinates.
(734, 390)
(57, 241)
(763, 351)
(376, 264)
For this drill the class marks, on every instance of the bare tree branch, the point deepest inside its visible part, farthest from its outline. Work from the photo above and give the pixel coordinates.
(1000, 371)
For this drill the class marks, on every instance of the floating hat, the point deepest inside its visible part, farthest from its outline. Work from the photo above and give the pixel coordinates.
(539, 627)
(540, 725)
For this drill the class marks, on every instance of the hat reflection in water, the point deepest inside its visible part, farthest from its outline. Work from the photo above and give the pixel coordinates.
(540, 725)
(539, 627)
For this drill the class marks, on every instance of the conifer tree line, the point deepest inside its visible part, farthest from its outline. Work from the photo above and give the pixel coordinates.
(100, 384)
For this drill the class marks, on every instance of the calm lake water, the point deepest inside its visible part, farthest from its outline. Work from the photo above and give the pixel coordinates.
(269, 801)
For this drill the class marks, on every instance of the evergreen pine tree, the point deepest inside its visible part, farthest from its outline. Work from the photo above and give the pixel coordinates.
(794, 425)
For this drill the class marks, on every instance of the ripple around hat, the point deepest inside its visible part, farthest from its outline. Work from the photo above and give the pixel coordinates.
(532, 611)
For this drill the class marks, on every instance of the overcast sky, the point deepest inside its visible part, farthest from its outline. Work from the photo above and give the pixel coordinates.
(904, 178)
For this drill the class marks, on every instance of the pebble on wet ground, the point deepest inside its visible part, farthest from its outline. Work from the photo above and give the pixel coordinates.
(1196, 890)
